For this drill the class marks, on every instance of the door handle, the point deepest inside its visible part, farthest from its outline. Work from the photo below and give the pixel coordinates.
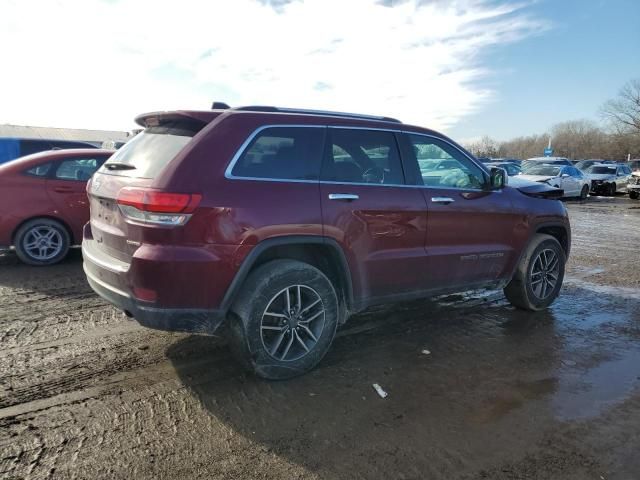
(63, 189)
(444, 200)
(345, 197)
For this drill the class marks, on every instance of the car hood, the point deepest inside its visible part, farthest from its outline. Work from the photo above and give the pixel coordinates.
(525, 185)
(600, 176)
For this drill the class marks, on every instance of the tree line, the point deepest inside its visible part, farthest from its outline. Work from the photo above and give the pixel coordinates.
(615, 138)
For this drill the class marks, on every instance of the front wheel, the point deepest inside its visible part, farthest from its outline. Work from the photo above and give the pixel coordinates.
(584, 192)
(42, 241)
(538, 277)
(284, 320)
(633, 195)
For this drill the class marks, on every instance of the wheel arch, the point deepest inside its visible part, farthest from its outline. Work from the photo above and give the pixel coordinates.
(321, 252)
(559, 232)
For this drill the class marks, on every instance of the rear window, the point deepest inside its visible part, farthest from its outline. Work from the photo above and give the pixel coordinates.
(145, 155)
(39, 171)
(282, 153)
(603, 170)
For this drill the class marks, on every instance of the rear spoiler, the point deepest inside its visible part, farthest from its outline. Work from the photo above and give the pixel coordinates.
(154, 119)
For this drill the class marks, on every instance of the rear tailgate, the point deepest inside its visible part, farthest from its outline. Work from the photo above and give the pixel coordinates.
(137, 164)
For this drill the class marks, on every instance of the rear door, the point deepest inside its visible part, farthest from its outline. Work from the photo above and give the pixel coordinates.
(366, 206)
(67, 188)
(469, 228)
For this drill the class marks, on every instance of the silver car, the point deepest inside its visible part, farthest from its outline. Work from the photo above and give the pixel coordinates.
(608, 179)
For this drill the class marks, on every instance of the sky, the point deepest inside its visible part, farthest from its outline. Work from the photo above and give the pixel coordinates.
(465, 67)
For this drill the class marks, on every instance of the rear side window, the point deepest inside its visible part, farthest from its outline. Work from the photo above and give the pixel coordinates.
(363, 156)
(77, 168)
(39, 171)
(282, 153)
(149, 152)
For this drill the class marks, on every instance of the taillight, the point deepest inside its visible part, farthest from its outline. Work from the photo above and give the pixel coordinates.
(153, 206)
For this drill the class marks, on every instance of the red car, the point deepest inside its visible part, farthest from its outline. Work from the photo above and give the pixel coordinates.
(285, 222)
(43, 202)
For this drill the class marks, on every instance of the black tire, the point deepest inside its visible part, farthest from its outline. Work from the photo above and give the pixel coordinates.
(263, 287)
(25, 235)
(584, 192)
(611, 190)
(520, 291)
(633, 195)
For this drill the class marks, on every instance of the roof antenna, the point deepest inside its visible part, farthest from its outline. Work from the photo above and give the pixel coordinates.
(219, 106)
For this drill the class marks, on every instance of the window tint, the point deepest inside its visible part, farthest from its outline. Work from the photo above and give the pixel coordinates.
(442, 165)
(363, 156)
(288, 153)
(39, 171)
(149, 152)
(78, 168)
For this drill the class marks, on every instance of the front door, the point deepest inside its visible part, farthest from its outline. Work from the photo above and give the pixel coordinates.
(469, 227)
(378, 220)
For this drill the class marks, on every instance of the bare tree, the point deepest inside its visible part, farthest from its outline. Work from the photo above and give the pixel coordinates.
(624, 110)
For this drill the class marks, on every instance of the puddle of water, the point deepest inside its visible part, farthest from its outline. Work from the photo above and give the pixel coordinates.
(626, 292)
(586, 394)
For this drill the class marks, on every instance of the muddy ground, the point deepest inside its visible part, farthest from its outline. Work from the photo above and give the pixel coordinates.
(85, 393)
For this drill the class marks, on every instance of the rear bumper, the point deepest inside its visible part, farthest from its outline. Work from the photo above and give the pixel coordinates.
(170, 319)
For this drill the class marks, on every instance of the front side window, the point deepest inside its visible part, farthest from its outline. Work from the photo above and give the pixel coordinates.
(362, 156)
(442, 165)
(77, 168)
(282, 153)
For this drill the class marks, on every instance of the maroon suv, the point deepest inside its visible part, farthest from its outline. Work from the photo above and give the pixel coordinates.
(283, 223)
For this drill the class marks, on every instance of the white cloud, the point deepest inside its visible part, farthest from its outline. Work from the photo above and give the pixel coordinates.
(97, 64)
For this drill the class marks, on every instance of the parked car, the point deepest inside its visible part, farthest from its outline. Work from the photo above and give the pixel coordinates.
(511, 168)
(43, 202)
(634, 165)
(283, 223)
(568, 178)
(608, 179)
(634, 186)
(12, 148)
(583, 165)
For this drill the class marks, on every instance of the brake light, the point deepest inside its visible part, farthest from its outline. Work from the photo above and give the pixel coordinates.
(155, 201)
(153, 206)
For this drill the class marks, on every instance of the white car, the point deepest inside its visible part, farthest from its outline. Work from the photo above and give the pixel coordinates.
(634, 186)
(607, 179)
(568, 178)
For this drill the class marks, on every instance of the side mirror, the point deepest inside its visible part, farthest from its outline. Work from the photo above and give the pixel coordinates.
(498, 178)
(565, 175)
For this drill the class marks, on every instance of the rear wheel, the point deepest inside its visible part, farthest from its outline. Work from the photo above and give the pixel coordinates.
(538, 277)
(284, 320)
(584, 192)
(42, 241)
(612, 190)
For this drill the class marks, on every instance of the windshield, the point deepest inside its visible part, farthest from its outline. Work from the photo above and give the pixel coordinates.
(546, 170)
(603, 170)
(149, 152)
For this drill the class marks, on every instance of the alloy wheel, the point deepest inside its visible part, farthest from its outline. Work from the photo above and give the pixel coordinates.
(545, 273)
(43, 242)
(292, 323)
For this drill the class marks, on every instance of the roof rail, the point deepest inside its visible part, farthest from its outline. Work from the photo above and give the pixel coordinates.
(262, 108)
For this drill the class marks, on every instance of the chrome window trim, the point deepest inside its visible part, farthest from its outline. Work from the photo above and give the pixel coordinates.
(247, 142)
(228, 175)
